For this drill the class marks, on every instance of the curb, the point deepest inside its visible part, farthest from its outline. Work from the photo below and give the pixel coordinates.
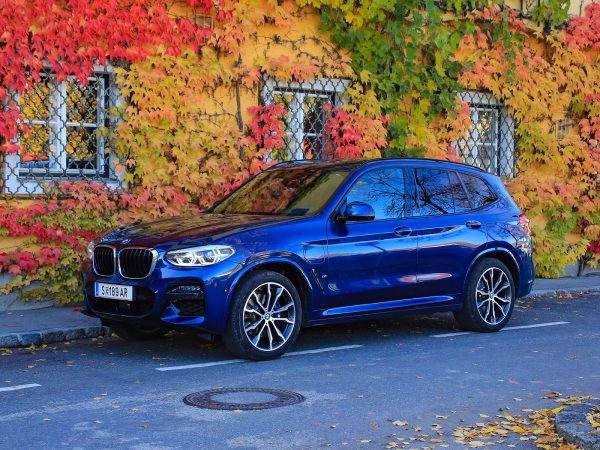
(573, 426)
(51, 335)
(548, 292)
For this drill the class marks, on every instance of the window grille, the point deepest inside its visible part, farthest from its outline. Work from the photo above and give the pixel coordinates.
(203, 21)
(490, 144)
(62, 134)
(306, 114)
(561, 128)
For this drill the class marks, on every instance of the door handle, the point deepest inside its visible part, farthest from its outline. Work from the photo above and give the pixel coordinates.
(403, 231)
(473, 224)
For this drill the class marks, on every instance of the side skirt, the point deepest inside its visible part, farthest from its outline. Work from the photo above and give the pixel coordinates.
(419, 305)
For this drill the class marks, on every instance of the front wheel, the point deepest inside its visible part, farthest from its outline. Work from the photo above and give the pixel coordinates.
(489, 297)
(266, 314)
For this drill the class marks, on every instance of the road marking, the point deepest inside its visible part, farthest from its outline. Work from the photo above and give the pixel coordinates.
(520, 327)
(537, 325)
(21, 386)
(322, 350)
(235, 361)
(461, 333)
(199, 366)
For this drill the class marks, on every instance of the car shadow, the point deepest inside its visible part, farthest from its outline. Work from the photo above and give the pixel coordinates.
(186, 348)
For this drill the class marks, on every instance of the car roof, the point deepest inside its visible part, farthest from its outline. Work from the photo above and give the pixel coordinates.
(353, 164)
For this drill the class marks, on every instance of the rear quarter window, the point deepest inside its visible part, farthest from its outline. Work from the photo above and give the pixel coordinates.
(479, 192)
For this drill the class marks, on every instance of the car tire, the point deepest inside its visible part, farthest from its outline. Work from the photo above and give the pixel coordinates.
(130, 332)
(265, 317)
(489, 297)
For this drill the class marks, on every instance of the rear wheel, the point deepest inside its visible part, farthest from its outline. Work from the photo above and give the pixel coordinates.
(131, 332)
(489, 297)
(265, 318)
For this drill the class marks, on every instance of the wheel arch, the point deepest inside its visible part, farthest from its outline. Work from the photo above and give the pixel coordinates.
(502, 254)
(286, 267)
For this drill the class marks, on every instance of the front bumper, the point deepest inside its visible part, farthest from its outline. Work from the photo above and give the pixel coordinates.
(151, 306)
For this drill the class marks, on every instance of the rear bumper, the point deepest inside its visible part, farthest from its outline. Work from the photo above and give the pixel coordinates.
(527, 275)
(153, 305)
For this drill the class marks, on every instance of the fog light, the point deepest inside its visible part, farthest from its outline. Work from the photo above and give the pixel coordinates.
(188, 300)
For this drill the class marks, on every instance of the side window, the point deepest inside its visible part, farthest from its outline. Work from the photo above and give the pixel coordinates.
(384, 190)
(461, 201)
(434, 192)
(479, 191)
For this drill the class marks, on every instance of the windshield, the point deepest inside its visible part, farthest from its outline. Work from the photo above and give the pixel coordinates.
(290, 192)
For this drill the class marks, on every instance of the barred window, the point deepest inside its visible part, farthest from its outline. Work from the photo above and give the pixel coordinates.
(203, 21)
(60, 134)
(562, 128)
(306, 113)
(491, 142)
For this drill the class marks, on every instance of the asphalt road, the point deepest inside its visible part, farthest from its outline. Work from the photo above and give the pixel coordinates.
(108, 393)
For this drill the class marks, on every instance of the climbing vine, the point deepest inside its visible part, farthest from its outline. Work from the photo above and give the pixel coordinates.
(194, 125)
(558, 180)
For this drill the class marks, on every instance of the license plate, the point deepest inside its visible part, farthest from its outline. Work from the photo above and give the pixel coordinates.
(114, 291)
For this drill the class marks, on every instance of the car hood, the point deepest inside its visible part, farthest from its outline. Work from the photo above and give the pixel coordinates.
(196, 229)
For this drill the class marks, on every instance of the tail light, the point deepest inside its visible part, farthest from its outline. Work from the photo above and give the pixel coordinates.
(524, 223)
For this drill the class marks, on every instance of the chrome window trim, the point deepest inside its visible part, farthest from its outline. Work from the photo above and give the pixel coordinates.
(152, 266)
(114, 250)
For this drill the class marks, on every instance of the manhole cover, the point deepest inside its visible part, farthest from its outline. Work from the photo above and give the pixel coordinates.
(245, 399)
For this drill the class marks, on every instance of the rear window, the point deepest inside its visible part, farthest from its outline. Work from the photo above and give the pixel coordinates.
(479, 192)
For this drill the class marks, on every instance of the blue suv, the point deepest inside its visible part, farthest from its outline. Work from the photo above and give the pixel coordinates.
(312, 242)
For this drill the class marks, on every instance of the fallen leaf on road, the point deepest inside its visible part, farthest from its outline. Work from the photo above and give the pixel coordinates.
(399, 423)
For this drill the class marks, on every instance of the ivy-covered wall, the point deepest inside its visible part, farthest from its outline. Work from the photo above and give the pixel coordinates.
(194, 123)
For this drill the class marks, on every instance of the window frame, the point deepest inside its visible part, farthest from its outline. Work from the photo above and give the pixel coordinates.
(409, 182)
(504, 145)
(417, 203)
(410, 173)
(29, 181)
(319, 88)
(458, 172)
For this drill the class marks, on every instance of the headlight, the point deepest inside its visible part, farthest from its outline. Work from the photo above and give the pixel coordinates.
(90, 248)
(206, 255)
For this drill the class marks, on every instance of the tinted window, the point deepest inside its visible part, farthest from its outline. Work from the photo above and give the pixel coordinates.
(383, 189)
(461, 201)
(292, 192)
(478, 190)
(434, 192)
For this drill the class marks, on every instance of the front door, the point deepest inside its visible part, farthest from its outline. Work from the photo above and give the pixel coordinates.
(373, 261)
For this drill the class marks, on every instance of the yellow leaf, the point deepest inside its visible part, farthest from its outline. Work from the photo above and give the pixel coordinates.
(399, 423)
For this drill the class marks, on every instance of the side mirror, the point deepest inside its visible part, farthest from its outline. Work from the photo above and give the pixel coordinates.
(357, 212)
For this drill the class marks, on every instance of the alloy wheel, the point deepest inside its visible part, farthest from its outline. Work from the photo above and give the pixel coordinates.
(269, 316)
(494, 295)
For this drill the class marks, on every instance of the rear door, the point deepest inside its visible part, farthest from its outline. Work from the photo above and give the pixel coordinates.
(449, 232)
(374, 261)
